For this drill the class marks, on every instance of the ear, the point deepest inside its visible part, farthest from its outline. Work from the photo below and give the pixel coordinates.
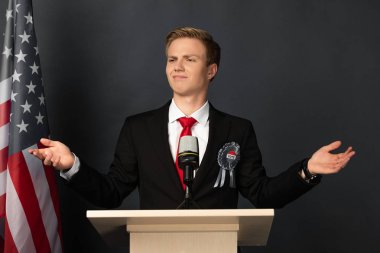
(212, 70)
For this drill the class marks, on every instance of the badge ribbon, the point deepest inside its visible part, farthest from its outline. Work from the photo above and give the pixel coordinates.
(228, 158)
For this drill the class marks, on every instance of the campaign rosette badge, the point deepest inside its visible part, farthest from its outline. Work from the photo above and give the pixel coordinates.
(228, 158)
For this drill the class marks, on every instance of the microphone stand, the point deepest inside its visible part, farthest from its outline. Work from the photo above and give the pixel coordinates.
(188, 178)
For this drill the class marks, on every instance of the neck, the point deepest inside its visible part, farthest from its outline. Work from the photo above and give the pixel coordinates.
(189, 105)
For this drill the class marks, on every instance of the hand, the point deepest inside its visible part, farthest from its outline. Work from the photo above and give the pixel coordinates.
(323, 162)
(56, 154)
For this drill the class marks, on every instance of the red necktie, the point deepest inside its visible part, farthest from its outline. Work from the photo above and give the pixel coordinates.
(186, 124)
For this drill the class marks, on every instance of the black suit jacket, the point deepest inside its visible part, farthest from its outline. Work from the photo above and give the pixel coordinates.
(143, 159)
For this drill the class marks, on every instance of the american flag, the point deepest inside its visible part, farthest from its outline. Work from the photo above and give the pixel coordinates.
(29, 207)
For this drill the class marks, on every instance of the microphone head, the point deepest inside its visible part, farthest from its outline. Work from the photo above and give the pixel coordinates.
(188, 155)
(188, 143)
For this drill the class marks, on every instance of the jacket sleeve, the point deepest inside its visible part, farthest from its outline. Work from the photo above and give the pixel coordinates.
(261, 190)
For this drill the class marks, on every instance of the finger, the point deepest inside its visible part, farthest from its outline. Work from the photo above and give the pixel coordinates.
(52, 160)
(341, 156)
(349, 149)
(332, 146)
(33, 152)
(348, 154)
(345, 163)
(56, 161)
(47, 162)
(39, 153)
(342, 163)
(351, 154)
(47, 142)
(48, 157)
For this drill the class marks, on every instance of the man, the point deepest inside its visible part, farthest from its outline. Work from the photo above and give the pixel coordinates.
(230, 160)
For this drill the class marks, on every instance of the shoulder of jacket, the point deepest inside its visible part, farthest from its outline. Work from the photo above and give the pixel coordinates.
(233, 118)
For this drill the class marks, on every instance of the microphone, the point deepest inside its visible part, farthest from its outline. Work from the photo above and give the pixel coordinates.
(188, 157)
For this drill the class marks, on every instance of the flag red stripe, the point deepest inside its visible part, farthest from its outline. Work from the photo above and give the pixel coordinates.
(5, 109)
(3, 159)
(9, 244)
(50, 175)
(23, 184)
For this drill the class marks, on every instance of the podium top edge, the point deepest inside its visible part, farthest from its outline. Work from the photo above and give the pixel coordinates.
(178, 213)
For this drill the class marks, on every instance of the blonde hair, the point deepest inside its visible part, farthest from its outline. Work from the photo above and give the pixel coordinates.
(212, 47)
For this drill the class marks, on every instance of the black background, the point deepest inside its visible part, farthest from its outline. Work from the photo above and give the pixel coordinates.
(305, 72)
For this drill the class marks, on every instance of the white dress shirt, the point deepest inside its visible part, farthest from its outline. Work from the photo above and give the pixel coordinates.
(200, 130)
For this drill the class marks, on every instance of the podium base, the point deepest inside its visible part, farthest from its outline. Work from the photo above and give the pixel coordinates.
(184, 242)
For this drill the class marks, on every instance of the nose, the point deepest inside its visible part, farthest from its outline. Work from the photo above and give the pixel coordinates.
(178, 66)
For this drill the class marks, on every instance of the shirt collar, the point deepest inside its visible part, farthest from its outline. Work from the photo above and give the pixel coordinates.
(200, 115)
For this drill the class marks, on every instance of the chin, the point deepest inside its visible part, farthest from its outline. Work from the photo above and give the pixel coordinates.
(181, 93)
(179, 89)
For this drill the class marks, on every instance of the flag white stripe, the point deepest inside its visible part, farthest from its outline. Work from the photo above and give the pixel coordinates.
(17, 222)
(4, 133)
(3, 180)
(5, 90)
(41, 187)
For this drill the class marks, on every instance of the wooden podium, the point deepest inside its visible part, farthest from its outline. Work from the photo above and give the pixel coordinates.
(188, 231)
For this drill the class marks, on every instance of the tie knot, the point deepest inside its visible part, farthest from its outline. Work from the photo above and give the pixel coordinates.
(187, 122)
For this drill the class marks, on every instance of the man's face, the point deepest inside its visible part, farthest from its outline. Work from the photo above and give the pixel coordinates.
(186, 67)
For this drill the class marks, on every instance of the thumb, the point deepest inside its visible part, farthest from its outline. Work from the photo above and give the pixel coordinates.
(46, 142)
(334, 145)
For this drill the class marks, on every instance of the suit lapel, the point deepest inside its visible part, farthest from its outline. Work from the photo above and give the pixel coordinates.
(158, 129)
(218, 134)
